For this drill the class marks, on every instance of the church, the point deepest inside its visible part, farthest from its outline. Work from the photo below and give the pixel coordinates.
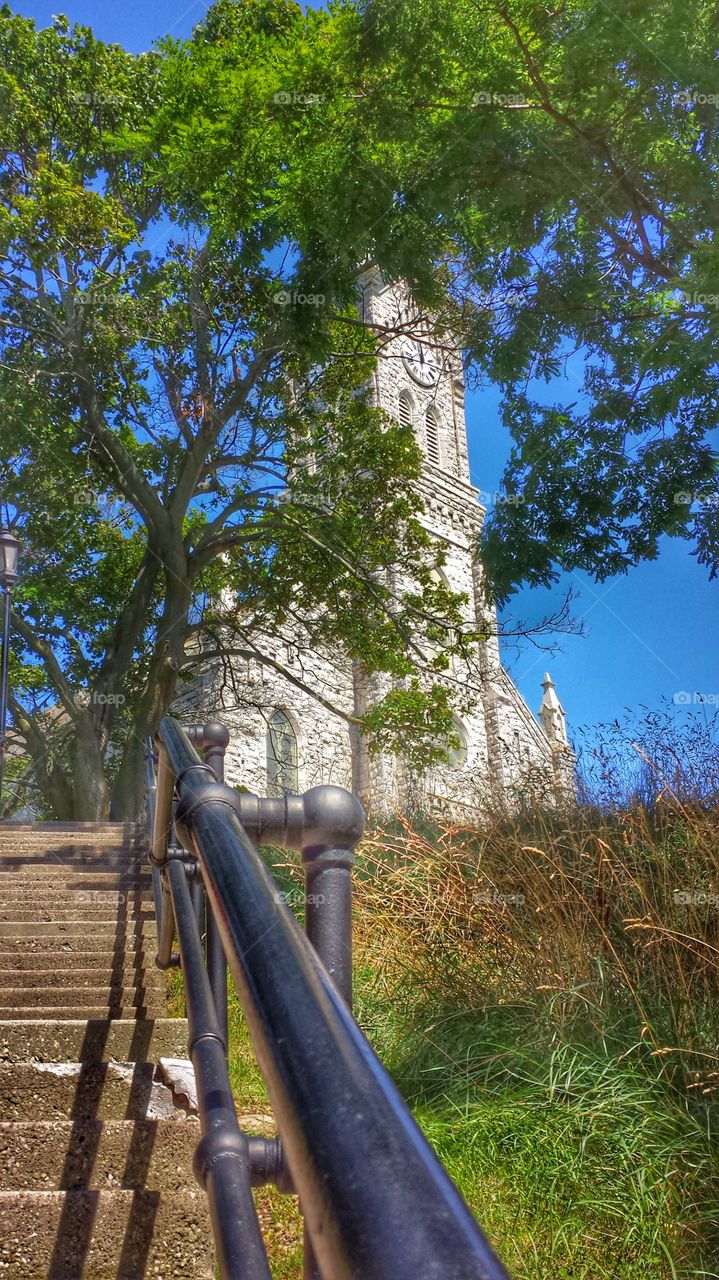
(283, 739)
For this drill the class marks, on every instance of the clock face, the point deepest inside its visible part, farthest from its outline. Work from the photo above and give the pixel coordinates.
(420, 363)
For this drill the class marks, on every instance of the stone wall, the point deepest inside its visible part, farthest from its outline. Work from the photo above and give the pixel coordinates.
(507, 750)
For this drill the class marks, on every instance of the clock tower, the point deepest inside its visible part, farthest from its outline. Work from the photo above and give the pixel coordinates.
(419, 381)
(284, 739)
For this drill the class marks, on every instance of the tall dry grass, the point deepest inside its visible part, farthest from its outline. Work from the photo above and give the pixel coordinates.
(544, 990)
(593, 917)
(603, 916)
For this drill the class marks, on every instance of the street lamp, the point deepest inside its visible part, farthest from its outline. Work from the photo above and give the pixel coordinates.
(9, 556)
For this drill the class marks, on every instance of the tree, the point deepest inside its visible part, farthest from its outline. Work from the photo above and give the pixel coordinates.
(156, 397)
(552, 170)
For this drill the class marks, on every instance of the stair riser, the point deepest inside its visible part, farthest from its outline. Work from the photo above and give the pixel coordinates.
(67, 1091)
(115, 1233)
(93, 1041)
(43, 887)
(23, 957)
(49, 1156)
(70, 848)
(75, 1012)
(22, 864)
(94, 978)
(50, 875)
(122, 960)
(97, 997)
(62, 914)
(105, 929)
(114, 896)
(9, 827)
(109, 838)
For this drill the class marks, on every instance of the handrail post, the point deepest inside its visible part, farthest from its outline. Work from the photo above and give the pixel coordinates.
(162, 829)
(214, 738)
(236, 1230)
(151, 783)
(334, 823)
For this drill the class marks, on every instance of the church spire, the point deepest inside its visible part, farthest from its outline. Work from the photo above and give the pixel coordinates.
(551, 714)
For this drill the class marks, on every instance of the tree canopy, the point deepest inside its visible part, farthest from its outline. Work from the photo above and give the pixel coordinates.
(187, 457)
(569, 155)
(553, 170)
(544, 181)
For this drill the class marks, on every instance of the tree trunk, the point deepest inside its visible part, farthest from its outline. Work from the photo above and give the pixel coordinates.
(128, 792)
(90, 791)
(128, 795)
(51, 778)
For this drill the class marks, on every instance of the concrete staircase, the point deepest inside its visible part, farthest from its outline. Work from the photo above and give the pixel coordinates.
(97, 1124)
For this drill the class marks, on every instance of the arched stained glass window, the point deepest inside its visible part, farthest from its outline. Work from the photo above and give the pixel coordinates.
(281, 755)
(440, 637)
(457, 756)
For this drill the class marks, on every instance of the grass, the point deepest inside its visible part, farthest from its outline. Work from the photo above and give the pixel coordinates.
(544, 992)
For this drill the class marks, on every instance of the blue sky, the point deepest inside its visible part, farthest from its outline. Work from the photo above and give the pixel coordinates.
(649, 635)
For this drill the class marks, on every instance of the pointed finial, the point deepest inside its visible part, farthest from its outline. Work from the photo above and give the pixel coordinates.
(551, 713)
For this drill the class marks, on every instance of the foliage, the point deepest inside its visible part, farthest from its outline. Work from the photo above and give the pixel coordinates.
(186, 452)
(418, 724)
(552, 172)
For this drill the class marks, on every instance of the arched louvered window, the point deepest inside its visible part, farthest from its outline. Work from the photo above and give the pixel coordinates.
(405, 409)
(281, 755)
(431, 424)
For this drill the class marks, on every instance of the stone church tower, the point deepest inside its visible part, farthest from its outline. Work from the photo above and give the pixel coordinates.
(283, 739)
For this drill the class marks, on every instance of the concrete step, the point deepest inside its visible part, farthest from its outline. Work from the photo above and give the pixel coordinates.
(50, 874)
(73, 1155)
(75, 1012)
(106, 929)
(117, 907)
(54, 1155)
(85, 858)
(65, 837)
(79, 860)
(60, 839)
(9, 827)
(92, 1040)
(107, 997)
(44, 885)
(28, 954)
(72, 844)
(108, 975)
(104, 1235)
(109, 940)
(83, 1091)
(69, 909)
(115, 896)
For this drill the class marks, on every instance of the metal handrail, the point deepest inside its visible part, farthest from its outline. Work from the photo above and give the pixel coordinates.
(378, 1204)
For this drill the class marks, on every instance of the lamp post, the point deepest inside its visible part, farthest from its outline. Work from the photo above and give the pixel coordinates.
(9, 556)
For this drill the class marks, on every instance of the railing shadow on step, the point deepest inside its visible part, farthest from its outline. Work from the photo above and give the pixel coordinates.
(377, 1203)
(74, 1231)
